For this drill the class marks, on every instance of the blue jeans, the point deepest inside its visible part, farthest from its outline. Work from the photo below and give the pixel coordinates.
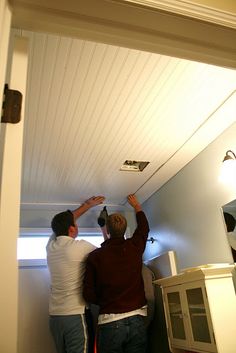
(69, 333)
(123, 336)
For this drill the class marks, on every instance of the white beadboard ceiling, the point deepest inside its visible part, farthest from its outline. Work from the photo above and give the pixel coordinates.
(91, 106)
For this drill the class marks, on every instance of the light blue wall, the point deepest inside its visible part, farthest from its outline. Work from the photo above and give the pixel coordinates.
(185, 214)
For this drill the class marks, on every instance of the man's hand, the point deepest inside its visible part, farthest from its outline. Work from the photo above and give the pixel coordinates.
(94, 201)
(132, 200)
(91, 202)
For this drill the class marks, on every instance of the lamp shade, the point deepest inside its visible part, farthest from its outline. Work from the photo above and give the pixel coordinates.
(228, 168)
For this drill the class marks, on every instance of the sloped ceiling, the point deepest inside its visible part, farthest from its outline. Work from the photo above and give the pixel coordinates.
(91, 106)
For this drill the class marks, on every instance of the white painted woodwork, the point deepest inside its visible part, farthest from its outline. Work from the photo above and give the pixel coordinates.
(220, 12)
(121, 24)
(91, 106)
(218, 292)
(5, 25)
(7, 268)
(11, 155)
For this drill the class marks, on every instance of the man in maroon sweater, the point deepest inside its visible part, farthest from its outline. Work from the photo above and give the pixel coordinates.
(113, 280)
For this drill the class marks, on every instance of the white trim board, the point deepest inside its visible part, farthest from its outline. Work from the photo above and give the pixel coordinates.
(25, 232)
(190, 9)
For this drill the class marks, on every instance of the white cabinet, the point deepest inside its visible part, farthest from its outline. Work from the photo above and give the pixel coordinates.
(200, 310)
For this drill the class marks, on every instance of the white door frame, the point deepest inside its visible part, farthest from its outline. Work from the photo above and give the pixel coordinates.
(11, 137)
(138, 24)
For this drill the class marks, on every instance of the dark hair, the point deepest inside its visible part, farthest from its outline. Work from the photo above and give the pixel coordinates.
(229, 221)
(61, 222)
(116, 225)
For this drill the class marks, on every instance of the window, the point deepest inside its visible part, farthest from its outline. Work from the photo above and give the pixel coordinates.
(31, 244)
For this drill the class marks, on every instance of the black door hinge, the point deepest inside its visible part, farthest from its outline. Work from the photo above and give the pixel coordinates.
(11, 107)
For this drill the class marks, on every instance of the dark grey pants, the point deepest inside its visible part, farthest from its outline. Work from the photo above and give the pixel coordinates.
(69, 333)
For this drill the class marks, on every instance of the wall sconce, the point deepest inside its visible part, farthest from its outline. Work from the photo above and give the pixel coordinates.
(228, 169)
(227, 157)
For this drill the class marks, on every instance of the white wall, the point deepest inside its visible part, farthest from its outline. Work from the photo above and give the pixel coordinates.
(185, 214)
(33, 330)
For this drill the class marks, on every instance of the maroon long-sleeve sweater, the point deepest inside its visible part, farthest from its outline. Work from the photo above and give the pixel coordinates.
(113, 275)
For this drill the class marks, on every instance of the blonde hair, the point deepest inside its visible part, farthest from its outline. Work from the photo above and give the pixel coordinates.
(116, 224)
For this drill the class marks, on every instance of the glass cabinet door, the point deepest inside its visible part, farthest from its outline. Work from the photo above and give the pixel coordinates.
(202, 336)
(176, 315)
(198, 315)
